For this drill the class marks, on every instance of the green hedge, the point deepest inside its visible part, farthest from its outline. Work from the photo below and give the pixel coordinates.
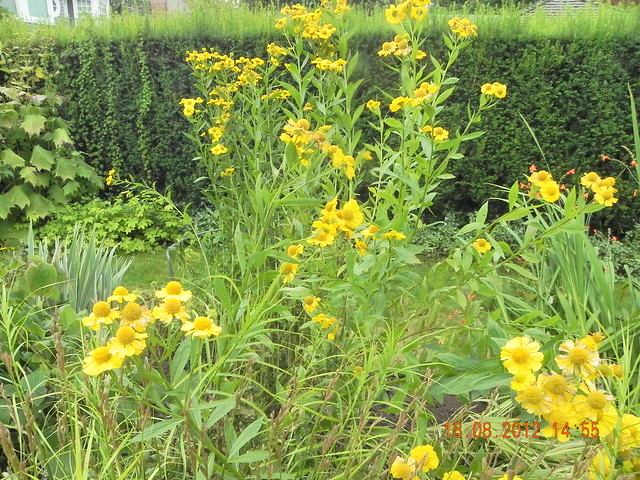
(123, 102)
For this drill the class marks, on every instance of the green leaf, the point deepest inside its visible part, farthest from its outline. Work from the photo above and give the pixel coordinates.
(41, 158)
(11, 159)
(246, 436)
(66, 168)
(61, 138)
(19, 196)
(5, 206)
(179, 360)
(222, 408)
(33, 124)
(70, 188)
(156, 429)
(513, 195)
(39, 207)
(8, 118)
(251, 457)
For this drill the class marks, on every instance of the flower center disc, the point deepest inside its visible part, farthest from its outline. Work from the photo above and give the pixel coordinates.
(120, 291)
(173, 288)
(126, 335)
(520, 354)
(597, 400)
(532, 394)
(202, 323)
(101, 309)
(172, 306)
(101, 354)
(132, 312)
(556, 384)
(578, 356)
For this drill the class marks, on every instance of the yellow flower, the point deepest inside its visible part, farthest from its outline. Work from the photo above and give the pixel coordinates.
(420, 55)
(534, 400)
(600, 468)
(289, 270)
(521, 355)
(507, 477)
(499, 90)
(463, 28)
(578, 359)
(324, 321)
(604, 195)
(403, 469)
(109, 180)
(321, 238)
(311, 303)
(228, 172)
(218, 149)
(395, 14)
(540, 177)
(370, 231)
(593, 404)
(102, 314)
(172, 307)
(127, 342)
(121, 294)
(332, 334)
(350, 216)
(136, 316)
(361, 246)
(629, 432)
(295, 250)
(392, 235)
(561, 416)
(100, 360)
(174, 289)
(418, 13)
(487, 89)
(522, 380)
(590, 180)
(425, 457)
(440, 134)
(399, 102)
(557, 387)
(482, 245)
(387, 49)
(550, 191)
(201, 327)
(607, 182)
(373, 105)
(453, 475)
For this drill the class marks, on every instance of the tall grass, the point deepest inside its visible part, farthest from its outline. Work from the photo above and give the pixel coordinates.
(222, 19)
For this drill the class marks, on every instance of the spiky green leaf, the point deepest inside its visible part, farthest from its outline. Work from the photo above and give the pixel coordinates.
(71, 188)
(19, 195)
(61, 138)
(39, 207)
(11, 159)
(8, 118)
(5, 206)
(67, 168)
(42, 159)
(33, 124)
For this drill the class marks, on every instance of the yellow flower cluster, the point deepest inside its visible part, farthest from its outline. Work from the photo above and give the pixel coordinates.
(275, 53)
(421, 94)
(324, 64)
(496, 89)
(416, 9)
(109, 180)
(421, 459)
(439, 134)
(463, 28)
(278, 94)
(548, 187)
(189, 105)
(399, 47)
(134, 318)
(601, 187)
(554, 395)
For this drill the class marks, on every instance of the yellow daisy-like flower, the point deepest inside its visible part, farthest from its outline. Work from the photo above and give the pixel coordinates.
(218, 149)
(453, 475)
(440, 134)
(557, 387)
(578, 359)
(228, 172)
(324, 321)
(506, 477)
(629, 432)
(605, 196)
(522, 380)
(499, 90)
(288, 270)
(170, 309)
(399, 102)
(371, 230)
(395, 14)
(593, 340)
(100, 360)
(534, 400)
(482, 245)
(590, 180)
(121, 294)
(361, 246)
(101, 314)
(540, 177)
(463, 27)
(425, 457)
(403, 469)
(550, 191)
(294, 250)
(311, 303)
(174, 289)
(201, 327)
(392, 235)
(521, 355)
(593, 403)
(560, 415)
(373, 105)
(127, 342)
(321, 238)
(350, 216)
(332, 334)
(136, 316)
(486, 89)
(600, 468)
(329, 211)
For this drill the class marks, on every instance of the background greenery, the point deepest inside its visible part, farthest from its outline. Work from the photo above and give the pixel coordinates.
(567, 76)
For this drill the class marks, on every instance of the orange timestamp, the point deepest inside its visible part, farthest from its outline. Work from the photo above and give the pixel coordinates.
(485, 430)
(587, 430)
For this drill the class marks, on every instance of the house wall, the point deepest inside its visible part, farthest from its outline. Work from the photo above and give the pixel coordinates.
(9, 5)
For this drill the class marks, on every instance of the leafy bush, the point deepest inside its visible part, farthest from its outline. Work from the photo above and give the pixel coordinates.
(135, 222)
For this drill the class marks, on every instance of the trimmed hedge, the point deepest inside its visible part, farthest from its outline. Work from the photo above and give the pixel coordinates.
(123, 103)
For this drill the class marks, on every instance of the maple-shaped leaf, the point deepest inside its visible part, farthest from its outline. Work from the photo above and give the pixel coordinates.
(39, 207)
(33, 124)
(11, 159)
(8, 118)
(19, 196)
(66, 168)
(5, 206)
(61, 138)
(41, 158)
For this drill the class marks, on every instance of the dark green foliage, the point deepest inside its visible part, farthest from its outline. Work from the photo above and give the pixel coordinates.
(123, 97)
